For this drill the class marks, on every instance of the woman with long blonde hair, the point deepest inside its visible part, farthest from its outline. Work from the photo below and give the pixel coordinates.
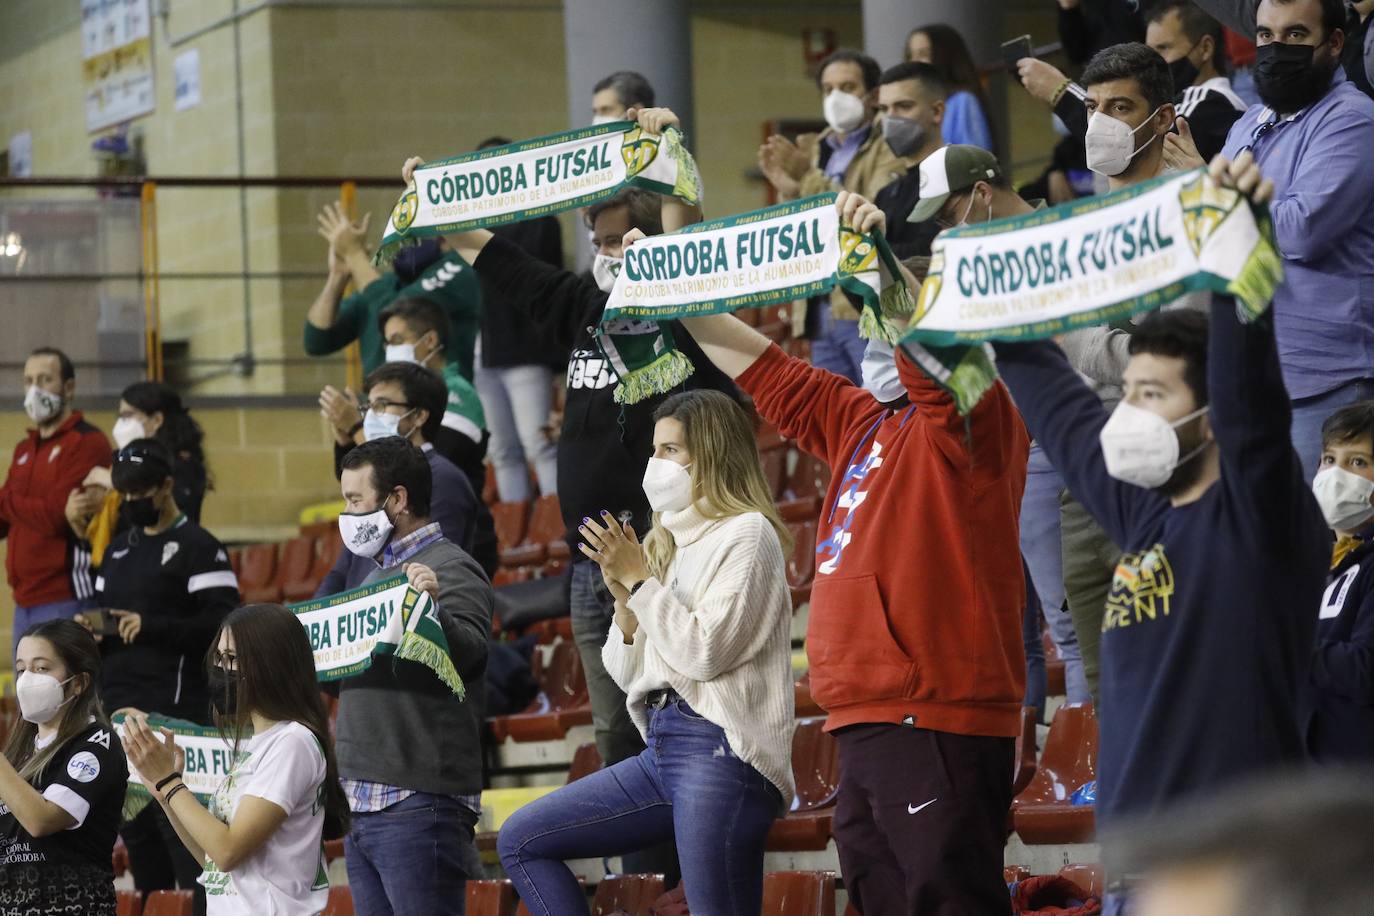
(701, 646)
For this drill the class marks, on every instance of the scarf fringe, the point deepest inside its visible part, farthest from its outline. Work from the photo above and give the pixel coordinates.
(872, 326)
(659, 377)
(416, 648)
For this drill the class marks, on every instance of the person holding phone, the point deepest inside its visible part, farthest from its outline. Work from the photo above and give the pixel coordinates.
(261, 838)
(62, 780)
(164, 588)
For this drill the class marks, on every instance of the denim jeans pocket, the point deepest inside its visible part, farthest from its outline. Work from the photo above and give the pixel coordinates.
(691, 715)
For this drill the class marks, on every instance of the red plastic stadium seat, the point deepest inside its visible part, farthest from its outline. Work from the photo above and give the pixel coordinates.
(340, 902)
(561, 704)
(1042, 813)
(810, 477)
(1014, 873)
(1024, 770)
(333, 849)
(258, 569)
(774, 461)
(799, 893)
(330, 546)
(632, 894)
(297, 559)
(801, 565)
(128, 903)
(545, 527)
(490, 898)
(510, 520)
(801, 695)
(119, 859)
(1090, 877)
(586, 761)
(169, 903)
(816, 770)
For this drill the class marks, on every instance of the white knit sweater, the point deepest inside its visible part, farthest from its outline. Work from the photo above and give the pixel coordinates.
(720, 635)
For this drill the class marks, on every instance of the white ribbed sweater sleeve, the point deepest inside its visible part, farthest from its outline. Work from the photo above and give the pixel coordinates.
(623, 662)
(719, 632)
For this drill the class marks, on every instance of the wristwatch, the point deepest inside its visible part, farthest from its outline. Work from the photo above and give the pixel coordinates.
(634, 588)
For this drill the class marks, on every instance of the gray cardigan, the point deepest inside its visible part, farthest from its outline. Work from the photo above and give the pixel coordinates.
(398, 724)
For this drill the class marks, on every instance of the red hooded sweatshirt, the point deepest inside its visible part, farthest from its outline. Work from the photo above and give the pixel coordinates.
(917, 605)
(44, 561)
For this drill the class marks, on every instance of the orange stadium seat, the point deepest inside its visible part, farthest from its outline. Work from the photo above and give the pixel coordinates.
(816, 771)
(799, 893)
(561, 704)
(632, 894)
(1042, 812)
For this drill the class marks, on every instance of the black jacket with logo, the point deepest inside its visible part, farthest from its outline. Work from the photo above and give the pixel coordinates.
(1340, 724)
(603, 446)
(181, 584)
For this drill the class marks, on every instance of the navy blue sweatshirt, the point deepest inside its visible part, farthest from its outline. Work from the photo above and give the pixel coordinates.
(1207, 637)
(1340, 726)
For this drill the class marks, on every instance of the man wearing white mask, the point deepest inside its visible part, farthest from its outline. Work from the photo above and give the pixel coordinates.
(1340, 725)
(852, 154)
(49, 571)
(410, 757)
(1210, 619)
(406, 400)
(614, 95)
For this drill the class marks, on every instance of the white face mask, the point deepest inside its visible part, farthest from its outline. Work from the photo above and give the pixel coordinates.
(1344, 498)
(605, 270)
(380, 425)
(843, 111)
(1141, 447)
(1111, 145)
(401, 353)
(41, 405)
(40, 696)
(126, 430)
(879, 372)
(598, 120)
(366, 533)
(668, 485)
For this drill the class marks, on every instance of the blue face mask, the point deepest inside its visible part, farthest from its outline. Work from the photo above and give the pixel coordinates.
(380, 425)
(413, 260)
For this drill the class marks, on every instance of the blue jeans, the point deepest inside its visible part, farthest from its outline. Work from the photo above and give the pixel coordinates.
(1041, 548)
(1310, 413)
(516, 401)
(25, 617)
(837, 345)
(412, 859)
(1116, 903)
(1036, 685)
(687, 782)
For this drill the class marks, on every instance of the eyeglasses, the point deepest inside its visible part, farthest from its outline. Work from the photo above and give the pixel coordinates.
(380, 405)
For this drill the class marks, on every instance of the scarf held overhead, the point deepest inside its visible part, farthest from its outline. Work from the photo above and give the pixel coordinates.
(777, 254)
(539, 177)
(1084, 264)
(348, 631)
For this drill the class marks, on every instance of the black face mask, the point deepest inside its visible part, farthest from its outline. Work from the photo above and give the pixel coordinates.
(1184, 72)
(412, 261)
(141, 513)
(224, 691)
(1287, 78)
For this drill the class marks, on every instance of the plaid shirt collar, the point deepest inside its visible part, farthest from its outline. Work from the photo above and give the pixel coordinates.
(402, 549)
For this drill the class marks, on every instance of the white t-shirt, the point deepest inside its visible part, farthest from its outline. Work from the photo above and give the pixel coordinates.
(286, 876)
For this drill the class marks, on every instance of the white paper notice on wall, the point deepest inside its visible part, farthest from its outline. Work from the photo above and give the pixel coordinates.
(116, 61)
(187, 69)
(21, 155)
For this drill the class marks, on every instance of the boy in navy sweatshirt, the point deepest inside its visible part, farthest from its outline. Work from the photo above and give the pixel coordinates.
(1206, 641)
(1340, 724)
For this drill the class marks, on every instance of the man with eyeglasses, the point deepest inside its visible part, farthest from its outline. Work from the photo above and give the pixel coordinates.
(407, 400)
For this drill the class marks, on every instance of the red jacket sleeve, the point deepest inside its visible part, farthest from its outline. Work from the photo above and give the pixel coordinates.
(47, 511)
(810, 405)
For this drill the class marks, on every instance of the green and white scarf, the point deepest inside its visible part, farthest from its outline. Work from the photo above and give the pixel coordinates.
(209, 758)
(777, 254)
(348, 631)
(539, 177)
(1084, 264)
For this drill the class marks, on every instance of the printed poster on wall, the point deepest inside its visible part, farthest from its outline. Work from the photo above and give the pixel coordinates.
(117, 61)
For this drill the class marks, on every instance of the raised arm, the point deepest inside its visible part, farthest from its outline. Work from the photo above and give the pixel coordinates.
(347, 261)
